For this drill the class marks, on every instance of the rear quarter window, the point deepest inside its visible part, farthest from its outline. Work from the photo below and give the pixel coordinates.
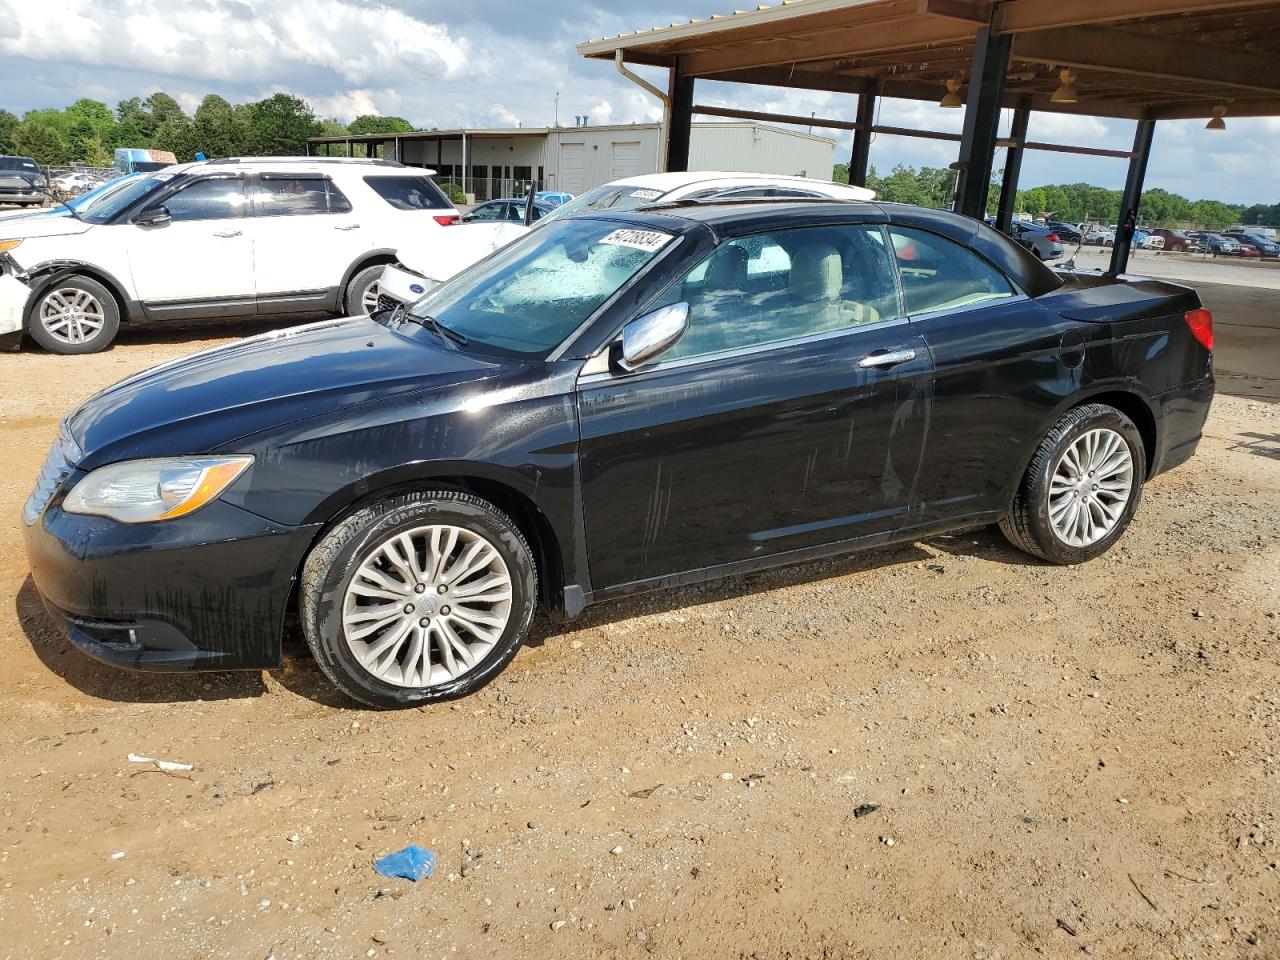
(409, 193)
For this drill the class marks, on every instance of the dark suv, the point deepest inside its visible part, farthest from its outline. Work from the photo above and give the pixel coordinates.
(1266, 248)
(21, 181)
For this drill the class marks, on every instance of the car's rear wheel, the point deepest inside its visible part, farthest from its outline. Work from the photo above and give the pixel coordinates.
(1082, 487)
(362, 292)
(421, 597)
(74, 315)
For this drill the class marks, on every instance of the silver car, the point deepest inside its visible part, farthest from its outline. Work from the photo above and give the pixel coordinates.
(1040, 240)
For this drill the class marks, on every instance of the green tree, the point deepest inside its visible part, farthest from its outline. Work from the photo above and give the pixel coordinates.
(217, 130)
(163, 108)
(8, 131)
(90, 127)
(372, 123)
(279, 125)
(135, 126)
(42, 141)
(333, 128)
(1212, 215)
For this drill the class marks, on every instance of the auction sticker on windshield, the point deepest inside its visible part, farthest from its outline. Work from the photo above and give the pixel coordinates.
(647, 240)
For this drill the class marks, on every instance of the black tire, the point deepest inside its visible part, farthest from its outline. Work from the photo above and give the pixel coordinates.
(334, 561)
(107, 308)
(367, 279)
(1028, 527)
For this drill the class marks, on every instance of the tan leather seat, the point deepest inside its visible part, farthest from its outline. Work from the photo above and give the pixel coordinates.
(817, 276)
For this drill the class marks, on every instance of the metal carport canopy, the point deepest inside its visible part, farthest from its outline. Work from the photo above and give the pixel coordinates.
(1145, 60)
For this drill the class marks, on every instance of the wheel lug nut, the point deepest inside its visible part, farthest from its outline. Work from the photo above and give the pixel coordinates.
(424, 622)
(420, 588)
(408, 608)
(443, 588)
(444, 609)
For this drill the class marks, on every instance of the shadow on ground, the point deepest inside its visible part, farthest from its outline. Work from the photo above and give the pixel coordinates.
(299, 674)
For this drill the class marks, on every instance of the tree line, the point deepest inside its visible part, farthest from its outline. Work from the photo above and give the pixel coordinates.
(1070, 202)
(89, 131)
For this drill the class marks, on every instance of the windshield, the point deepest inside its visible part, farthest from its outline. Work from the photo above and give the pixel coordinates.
(86, 200)
(17, 163)
(609, 197)
(123, 198)
(529, 296)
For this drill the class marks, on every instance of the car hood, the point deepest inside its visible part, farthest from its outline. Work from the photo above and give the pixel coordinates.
(211, 399)
(37, 226)
(453, 249)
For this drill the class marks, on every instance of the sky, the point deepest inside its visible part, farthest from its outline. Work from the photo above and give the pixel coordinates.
(501, 63)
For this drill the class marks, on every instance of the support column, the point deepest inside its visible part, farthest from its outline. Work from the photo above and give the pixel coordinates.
(681, 126)
(439, 155)
(1013, 166)
(860, 159)
(1132, 197)
(981, 121)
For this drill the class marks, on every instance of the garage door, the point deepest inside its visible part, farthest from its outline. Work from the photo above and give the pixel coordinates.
(572, 174)
(626, 160)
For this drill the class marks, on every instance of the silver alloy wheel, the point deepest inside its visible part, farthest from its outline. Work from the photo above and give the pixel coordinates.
(1090, 488)
(71, 315)
(370, 299)
(427, 606)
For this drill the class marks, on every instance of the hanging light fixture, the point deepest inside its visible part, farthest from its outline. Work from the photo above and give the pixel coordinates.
(1066, 92)
(952, 97)
(1217, 123)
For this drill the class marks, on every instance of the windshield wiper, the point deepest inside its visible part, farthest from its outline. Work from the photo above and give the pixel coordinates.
(70, 209)
(436, 327)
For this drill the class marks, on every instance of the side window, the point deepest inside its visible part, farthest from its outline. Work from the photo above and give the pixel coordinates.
(783, 285)
(487, 211)
(298, 196)
(939, 274)
(214, 199)
(409, 193)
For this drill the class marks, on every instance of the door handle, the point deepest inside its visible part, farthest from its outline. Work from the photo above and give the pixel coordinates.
(226, 234)
(348, 226)
(887, 358)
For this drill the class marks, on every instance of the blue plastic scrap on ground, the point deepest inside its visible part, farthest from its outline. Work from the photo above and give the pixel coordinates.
(411, 863)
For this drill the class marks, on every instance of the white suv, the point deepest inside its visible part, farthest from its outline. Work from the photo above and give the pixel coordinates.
(431, 260)
(219, 238)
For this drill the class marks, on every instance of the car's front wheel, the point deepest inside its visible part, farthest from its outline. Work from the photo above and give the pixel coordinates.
(74, 315)
(1082, 487)
(421, 597)
(362, 292)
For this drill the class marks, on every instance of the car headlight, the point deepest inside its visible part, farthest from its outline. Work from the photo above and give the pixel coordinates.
(142, 491)
(7, 245)
(39, 182)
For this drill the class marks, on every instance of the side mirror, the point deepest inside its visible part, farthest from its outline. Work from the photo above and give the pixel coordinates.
(646, 338)
(152, 216)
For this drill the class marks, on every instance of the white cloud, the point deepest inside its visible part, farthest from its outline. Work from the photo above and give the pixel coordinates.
(230, 40)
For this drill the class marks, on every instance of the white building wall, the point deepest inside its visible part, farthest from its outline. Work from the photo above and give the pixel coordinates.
(758, 148)
(581, 158)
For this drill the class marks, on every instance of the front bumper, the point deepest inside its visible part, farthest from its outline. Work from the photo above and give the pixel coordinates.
(399, 285)
(204, 592)
(14, 295)
(22, 196)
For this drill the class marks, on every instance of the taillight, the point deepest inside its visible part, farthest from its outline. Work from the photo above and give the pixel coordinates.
(447, 220)
(1200, 322)
(1053, 238)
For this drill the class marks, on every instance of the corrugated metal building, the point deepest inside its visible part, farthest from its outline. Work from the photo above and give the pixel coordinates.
(493, 163)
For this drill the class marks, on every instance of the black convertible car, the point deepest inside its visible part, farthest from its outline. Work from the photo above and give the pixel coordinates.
(614, 403)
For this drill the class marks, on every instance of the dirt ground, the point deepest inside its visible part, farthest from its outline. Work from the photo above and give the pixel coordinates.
(1066, 762)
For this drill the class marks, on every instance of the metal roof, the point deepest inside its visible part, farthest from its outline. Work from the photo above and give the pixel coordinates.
(1161, 59)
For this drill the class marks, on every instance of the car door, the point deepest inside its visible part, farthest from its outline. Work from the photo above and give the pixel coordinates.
(999, 370)
(790, 415)
(198, 262)
(306, 236)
